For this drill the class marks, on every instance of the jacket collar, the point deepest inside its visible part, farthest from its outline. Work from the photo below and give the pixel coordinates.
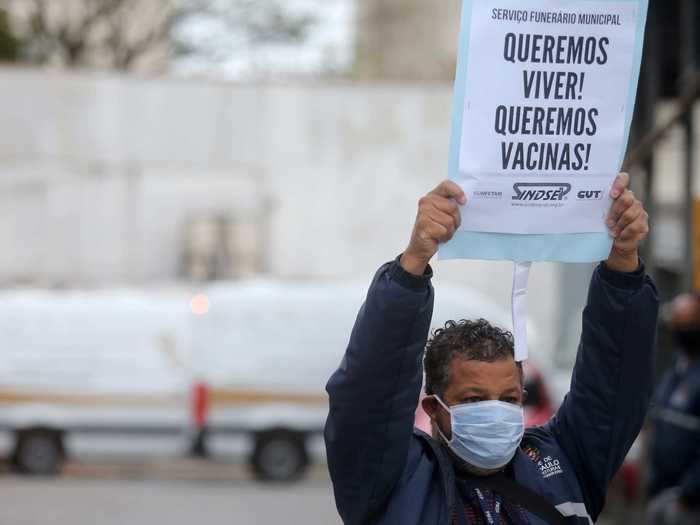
(447, 471)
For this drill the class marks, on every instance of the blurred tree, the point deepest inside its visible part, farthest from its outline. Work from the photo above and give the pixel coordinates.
(9, 44)
(140, 34)
(214, 31)
(114, 34)
(260, 21)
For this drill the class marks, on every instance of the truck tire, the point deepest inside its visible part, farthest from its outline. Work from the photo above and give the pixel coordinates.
(39, 453)
(279, 456)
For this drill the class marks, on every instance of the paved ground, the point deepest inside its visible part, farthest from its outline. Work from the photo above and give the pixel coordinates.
(118, 502)
(179, 492)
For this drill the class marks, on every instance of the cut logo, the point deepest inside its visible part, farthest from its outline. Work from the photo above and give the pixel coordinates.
(590, 195)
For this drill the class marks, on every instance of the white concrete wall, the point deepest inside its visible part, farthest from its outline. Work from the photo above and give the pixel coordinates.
(98, 173)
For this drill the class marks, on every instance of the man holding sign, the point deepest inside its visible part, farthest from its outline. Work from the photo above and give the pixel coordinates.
(480, 466)
(544, 97)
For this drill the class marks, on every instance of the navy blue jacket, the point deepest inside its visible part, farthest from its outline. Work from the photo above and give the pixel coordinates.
(385, 473)
(675, 451)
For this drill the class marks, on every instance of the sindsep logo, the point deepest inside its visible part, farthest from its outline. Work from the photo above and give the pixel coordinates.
(541, 191)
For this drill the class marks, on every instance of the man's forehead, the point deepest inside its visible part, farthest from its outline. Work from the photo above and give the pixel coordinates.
(462, 362)
(472, 374)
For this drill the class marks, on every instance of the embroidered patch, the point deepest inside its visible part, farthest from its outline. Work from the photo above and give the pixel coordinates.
(533, 453)
(549, 467)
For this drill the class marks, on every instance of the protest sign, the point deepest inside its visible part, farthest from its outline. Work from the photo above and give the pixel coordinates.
(544, 98)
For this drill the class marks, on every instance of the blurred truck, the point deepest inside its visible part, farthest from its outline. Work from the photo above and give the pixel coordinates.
(92, 372)
(238, 368)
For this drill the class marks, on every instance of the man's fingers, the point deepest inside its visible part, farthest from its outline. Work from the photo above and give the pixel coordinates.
(632, 213)
(435, 232)
(450, 190)
(444, 219)
(438, 219)
(448, 206)
(620, 206)
(628, 222)
(634, 233)
(621, 183)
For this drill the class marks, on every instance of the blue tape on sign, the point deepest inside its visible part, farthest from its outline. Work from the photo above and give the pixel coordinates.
(580, 247)
(573, 248)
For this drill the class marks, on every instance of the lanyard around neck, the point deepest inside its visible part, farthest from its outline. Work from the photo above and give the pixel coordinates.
(491, 513)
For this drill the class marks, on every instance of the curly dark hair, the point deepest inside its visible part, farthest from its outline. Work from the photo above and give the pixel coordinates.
(473, 340)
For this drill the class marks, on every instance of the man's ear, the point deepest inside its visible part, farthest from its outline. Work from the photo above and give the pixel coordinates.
(525, 396)
(430, 405)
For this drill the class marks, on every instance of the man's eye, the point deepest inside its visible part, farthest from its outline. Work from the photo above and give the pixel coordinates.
(513, 400)
(473, 399)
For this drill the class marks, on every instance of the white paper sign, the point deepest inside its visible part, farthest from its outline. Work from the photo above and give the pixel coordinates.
(545, 113)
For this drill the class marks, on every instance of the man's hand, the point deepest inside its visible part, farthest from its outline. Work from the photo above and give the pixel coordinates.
(437, 221)
(629, 225)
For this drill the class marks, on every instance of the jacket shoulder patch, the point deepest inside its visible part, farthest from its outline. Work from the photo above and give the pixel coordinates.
(550, 466)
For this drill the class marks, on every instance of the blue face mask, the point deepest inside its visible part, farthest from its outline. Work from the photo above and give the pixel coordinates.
(486, 434)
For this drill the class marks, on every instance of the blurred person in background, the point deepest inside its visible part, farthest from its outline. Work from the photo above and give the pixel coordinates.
(538, 406)
(674, 488)
(480, 466)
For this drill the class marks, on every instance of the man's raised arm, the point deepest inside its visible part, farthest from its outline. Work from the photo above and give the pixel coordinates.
(612, 380)
(374, 393)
